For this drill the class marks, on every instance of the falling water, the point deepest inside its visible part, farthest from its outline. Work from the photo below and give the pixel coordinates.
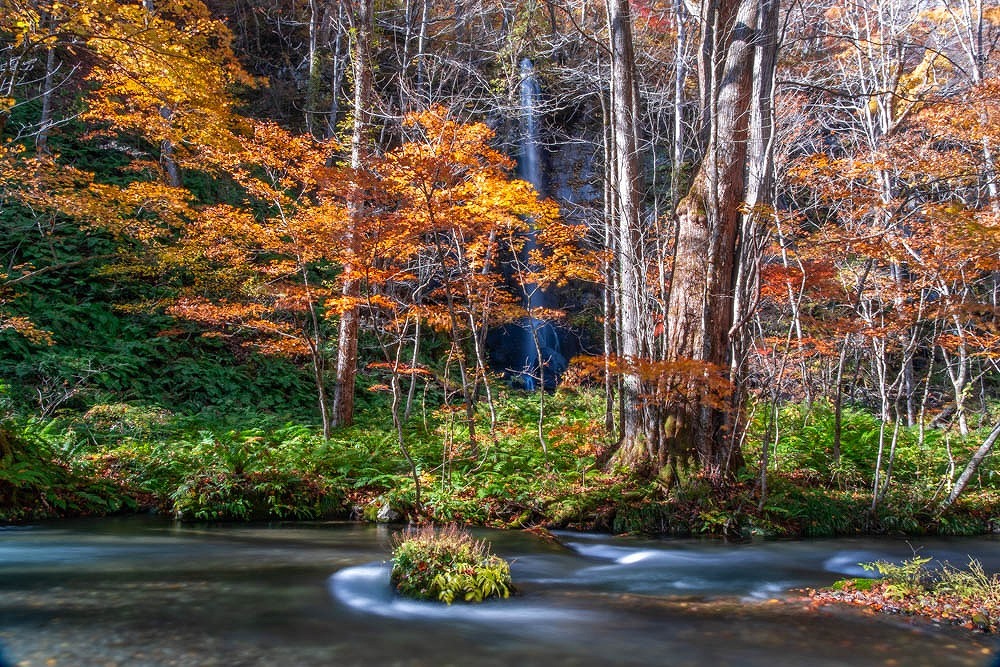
(530, 166)
(536, 335)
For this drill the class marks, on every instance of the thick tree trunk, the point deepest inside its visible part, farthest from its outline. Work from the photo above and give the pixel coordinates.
(347, 341)
(701, 303)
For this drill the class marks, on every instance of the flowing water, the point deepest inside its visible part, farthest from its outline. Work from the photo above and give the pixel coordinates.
(145, 592)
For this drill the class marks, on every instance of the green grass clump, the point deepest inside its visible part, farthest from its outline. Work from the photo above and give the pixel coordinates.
(910, 577)
(447, 565)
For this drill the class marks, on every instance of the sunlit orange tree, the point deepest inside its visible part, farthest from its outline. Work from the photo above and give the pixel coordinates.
(262, 272)
(471, 221)
(157, 92)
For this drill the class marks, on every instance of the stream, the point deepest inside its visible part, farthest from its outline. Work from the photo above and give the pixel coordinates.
(139, 591)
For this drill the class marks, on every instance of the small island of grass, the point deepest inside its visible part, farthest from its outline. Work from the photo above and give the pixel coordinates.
(448, 564)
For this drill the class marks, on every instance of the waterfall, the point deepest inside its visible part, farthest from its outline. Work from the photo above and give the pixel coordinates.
(530, 165)
(538, 342)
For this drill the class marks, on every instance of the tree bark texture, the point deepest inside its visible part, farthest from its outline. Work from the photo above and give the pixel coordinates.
(347, 340)
(630, 286)
(701, 303)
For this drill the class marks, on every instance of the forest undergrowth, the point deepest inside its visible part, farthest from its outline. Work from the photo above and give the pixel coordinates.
(115, 458)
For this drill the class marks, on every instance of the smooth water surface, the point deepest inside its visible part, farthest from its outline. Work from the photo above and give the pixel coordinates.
(144, 592)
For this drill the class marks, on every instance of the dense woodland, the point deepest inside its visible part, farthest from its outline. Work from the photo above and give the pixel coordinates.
(265, 258)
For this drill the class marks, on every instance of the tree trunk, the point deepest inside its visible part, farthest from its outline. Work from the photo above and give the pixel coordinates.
(972, 467)
(337, 75)
(701, 302)
(313, 84)
(680, 78)
(347, 340)
(468, 392)
(756, 220)
(170, 166)
(608, 292)
(422, 50)
(48, 92)
(629, 293)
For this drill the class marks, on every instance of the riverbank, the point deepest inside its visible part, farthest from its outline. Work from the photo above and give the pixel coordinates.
(938, 592)
(606, 505)
(124, 458)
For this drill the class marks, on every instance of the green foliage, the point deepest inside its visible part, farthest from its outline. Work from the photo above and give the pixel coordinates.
(110, 422)
(225, 474)
(902, 579)
(38, 480)
(946, 594)
(811, 494)
(856, 584)
(815, 512)
(698, 506)
(806, 446)
(968, 517)
(797, 505)
(264, 494)
(914, 577)
(110, 341)
(971, 582)
(652, 518)
(601, 502)
(447, 565)
(219, 462)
